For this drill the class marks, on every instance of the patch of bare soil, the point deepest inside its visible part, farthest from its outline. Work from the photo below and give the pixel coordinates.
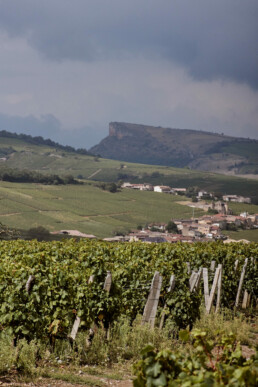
(247, 352)
(82, 379)
(41, 382)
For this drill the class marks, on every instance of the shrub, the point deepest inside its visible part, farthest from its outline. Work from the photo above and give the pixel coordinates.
(212, 363)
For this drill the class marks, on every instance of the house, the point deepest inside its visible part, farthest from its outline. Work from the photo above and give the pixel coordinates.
(137, 235)
(215, 230)
(147, 187)
(137, 186)
(162, 188)
(140, 187)
(126, 185)
(143, 187)
(219, 220)
(236, 199)
(157, 226)
(179, 191)
(204, 195)
(204, 228)
(237, 220)
(251, 220)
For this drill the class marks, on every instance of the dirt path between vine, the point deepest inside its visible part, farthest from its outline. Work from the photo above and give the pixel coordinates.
(95, 173)
(65, 379)
(60, 383)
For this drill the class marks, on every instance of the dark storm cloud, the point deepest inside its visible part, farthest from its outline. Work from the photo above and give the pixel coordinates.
(212, 39)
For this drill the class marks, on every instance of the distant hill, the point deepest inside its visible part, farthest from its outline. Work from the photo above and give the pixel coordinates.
(195, 149)
(38, 140)
(29, 154)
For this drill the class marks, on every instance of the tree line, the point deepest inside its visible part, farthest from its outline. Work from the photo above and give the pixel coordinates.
(24, 176)
(38, 140)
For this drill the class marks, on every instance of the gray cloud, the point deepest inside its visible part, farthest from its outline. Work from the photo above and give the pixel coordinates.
(173, 63)
(211, 39)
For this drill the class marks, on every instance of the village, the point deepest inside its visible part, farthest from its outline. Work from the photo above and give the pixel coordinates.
(208, 227)
(201, 194)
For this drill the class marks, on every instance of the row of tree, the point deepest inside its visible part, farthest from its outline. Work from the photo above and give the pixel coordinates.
(24, 176)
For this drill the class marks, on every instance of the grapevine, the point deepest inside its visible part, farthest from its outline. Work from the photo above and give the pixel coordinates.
(61, 289)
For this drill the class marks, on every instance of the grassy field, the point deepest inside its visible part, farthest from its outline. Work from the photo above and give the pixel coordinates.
(85, 208)
(50, 160)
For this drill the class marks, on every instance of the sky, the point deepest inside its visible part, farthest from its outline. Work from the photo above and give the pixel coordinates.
(68, 68)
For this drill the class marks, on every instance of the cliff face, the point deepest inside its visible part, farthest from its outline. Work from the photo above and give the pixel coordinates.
(119, 131)
(177, 147)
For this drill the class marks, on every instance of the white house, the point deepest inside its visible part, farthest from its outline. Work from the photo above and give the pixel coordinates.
(140, 187)
(204, 194)
(162, 188)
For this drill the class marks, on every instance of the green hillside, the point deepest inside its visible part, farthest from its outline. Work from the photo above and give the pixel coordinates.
(50, 160)
(85, 208)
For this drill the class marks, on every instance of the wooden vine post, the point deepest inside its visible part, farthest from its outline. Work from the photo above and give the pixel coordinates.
(246, 298)
(172, 283)
(219, 289)
(107, 287)
(75, 328)
(206, 286)
(241, 283)
(198, 281)
(195, 280)
(30, 283)
(217, 283)
(212, 267)
(192, 280)
(108, 282)
(151, 306)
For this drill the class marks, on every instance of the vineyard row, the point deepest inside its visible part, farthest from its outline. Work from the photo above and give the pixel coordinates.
(68, 283)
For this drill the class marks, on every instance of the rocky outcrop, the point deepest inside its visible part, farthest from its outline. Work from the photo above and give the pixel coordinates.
(177, 147)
